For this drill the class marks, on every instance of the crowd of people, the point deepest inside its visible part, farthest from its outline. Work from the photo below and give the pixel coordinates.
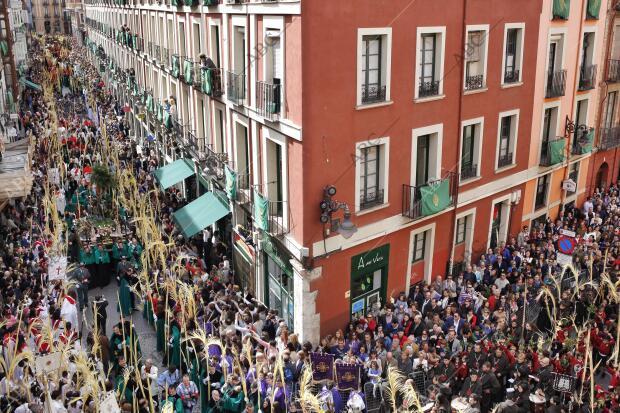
(514, 331)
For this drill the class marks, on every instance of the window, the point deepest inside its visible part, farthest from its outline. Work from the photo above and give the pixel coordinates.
(548, 131)
(506, 140)
(610, 110)
(513, 54)
(419, 246)
(374, 54)
(587, 71)
(369, 184)
(475, 58)
(215, 45)
(541, 191)
(429, 70)
(469, 150)
(573, 173)
(556, 76)
(422, 160)
(581, 119)
(462, 226)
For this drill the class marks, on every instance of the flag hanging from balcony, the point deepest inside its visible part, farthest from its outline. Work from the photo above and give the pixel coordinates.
(561, 9)
(206, 81)
(231, 183)
(4, 48)
(594, 6)
(187, 71)
(587, 147)
(435, 197)
(166, 120)
(175, 66)
(149, 103)
(556, 151)
(261, 211)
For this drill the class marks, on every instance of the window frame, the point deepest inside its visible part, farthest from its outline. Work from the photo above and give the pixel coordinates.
(439, 59)
(364, 173)
(546, 178)
(420, 236)
(386, 59)
(461, 229)
(513, 138)
(610, 111)
(476, 146)
(383, 173)
(483, 50)
(520, 44)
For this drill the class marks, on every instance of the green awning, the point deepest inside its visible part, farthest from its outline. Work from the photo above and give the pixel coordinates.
(199, 214)
(174, 173)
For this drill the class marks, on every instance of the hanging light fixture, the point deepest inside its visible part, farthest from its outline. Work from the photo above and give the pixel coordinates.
(328, 206)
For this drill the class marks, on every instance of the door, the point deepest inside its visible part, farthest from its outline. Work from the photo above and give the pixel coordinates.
(367, 291)
(495, 225)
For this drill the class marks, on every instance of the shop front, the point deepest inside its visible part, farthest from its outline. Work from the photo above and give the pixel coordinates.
(369, 272)
(244, 259)
(279, 286)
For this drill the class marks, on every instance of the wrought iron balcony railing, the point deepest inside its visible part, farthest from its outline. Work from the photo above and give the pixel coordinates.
(556, 83)
(469, 171)
(372, 199)
(505, 160)
(609, 138)
(164, 57)
(268, 98)
(235, 87)
(613, 71)
(215, 163)
(587, 77)
(427, 89)
(414, 196)
(373, 93)
(474, 82)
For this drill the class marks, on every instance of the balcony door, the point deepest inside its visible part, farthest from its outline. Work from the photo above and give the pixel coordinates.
(423, 160)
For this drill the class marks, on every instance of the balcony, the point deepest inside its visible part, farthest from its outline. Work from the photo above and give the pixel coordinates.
(613, 71)
(474, 82)
(428, 89)
(149, 48)
(583, 141)
(279, 218)
(235, 87)
(211, 81)
(175, 66)
(587, 77)
(268, 98)
(554, 152)
(215, 163)
(609, 138)
(429, 199)
(373, 94)
(372, 199)
(210, 2)
(195, 145)
(504, 160)
(469, 171)
(556, 83)
(165, 56)
(188, 71)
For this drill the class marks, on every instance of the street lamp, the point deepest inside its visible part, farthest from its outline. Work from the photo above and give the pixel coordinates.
(328, 206)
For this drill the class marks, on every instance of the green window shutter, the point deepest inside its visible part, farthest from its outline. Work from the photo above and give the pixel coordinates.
(435, 197)
(561, 9)
(594, 7)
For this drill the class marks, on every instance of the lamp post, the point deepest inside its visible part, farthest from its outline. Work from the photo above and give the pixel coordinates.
(329, 206)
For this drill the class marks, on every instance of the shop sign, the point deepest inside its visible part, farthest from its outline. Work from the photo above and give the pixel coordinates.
(278, 255)
(370, 260)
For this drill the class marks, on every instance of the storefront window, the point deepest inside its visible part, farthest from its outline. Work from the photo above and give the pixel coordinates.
(280, 291)
(368, 280)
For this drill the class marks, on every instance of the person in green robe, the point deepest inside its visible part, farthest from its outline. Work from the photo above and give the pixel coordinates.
(125, 387)
(147, 308)
(175, 400)
(117, 346)
(124, 297)
(119, 249)
(210, 379)
(174, 342)
(160, 327)
(102, 260)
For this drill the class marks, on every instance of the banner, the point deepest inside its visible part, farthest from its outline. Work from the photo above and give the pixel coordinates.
(435, 197)
(175, 66)
(231, 183)
(261, 211)
(347, 376)
(188, 71)
(322, 366)
(556, 151)
(57, 268)
(206, 81)
(48, 363)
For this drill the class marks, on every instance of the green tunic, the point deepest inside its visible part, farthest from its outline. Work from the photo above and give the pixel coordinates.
(175, 352)
(87, 257)
(176, 403)
(124, 294)
(160, 327)
(102, 256)
(118, 253)
(147, 311)
(233, 404)
(116, 348)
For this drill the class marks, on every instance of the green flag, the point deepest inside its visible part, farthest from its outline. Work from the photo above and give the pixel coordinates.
(205, 80)
(149, 103)
(435, 198)
(587, 147)
(231, 183)
(160, 113)
(187, 71)
(175, 66)
(561, 9)
(594, 6)
(166, 120)
(556, 151)
(261, 211)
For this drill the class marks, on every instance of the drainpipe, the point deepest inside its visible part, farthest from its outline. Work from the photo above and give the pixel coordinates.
(610, 17)
(458, 147)
(572, 107)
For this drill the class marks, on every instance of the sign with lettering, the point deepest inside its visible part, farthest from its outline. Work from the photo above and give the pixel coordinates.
(370, 261)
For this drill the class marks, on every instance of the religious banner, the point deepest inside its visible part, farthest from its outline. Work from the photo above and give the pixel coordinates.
(57, 268)
(348, 376)
(109, 403)
(261, 211)
(48, 363)
(231, 183)
(322, 366)
(435, 197)
(556, 151)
